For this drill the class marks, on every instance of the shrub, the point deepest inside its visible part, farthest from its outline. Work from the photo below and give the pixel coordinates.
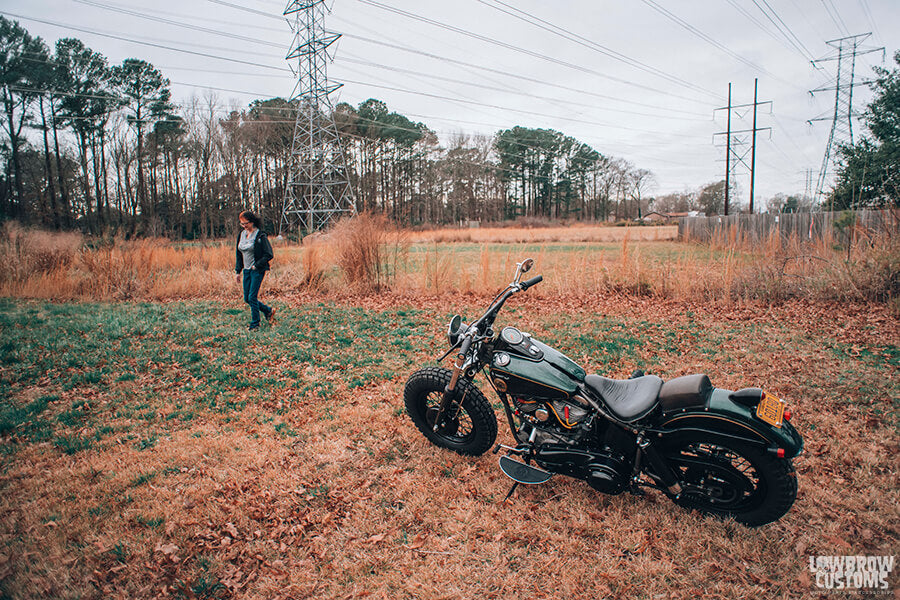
(368, 249)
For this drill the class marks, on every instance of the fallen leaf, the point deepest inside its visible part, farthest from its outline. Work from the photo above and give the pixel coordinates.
(231, 530)
(840, 542)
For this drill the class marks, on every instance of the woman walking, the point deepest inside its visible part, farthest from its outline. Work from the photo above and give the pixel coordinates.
(252, 258)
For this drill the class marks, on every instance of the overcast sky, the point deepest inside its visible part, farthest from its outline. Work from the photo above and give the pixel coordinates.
(637, 79)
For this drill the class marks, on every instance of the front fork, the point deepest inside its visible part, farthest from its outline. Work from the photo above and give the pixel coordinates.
(449, 392)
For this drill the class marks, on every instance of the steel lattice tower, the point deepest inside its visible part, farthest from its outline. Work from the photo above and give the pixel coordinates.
(318, 189)
(842, 118)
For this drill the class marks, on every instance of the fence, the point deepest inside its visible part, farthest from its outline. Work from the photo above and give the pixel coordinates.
(810, 225)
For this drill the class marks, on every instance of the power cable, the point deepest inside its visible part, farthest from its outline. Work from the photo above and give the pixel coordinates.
(457, 62)
(671, 16)
(514, 48)
(143, 15)
(747, 15)
(134, 41)
(506, 89)
(403, 90)
(836, 17)
(592, 45)
(513, 75)
(783, 28)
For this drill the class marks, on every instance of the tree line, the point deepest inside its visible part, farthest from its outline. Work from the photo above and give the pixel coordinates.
(103, 148)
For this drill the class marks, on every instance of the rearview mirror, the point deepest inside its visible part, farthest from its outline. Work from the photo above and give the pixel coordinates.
(522, 268)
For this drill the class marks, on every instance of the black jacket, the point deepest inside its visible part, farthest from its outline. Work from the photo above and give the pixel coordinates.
(262, 253)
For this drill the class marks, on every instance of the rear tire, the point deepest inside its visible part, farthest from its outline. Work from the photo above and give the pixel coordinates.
(468, 429)
(731, 479)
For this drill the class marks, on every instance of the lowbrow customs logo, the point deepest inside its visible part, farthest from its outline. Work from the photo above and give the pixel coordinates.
(864, 574)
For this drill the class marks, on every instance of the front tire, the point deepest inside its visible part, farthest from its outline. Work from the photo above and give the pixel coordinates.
(731, 479)
(468, 428)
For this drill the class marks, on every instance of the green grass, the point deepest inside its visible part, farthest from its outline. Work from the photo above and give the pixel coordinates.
(82, 375)
(158, 365)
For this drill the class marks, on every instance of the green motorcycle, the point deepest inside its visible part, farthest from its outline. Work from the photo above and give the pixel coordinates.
(726, 453)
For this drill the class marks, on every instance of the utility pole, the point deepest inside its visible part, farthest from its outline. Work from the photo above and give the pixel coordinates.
(733, 138)
(753, 145)
(728, 153)
(843, 114)
(318, 190)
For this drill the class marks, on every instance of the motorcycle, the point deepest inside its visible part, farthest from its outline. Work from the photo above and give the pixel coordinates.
(722, 452)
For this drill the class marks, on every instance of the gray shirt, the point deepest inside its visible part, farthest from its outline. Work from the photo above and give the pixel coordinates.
(246, 247)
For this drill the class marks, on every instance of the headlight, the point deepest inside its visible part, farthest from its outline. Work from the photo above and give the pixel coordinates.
(455, 329)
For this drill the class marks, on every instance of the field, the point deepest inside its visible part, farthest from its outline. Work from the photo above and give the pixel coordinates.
(152, 447)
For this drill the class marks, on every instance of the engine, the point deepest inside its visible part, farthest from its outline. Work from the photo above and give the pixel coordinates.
(567, 419)
(570, 441)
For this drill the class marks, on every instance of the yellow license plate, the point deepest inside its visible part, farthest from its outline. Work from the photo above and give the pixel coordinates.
(771, 410)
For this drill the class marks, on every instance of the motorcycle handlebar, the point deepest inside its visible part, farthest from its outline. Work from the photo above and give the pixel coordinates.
(527, 284)
(466, 344)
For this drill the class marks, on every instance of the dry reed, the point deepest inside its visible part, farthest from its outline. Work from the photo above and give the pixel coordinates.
(369, 250)
(366, 254)
(571, 234)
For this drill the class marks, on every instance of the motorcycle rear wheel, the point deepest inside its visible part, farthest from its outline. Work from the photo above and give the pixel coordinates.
(730, 479)
(469, 428)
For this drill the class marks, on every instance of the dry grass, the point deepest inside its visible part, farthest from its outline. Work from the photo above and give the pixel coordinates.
(571, 233)
(369, 250)
(365, 254)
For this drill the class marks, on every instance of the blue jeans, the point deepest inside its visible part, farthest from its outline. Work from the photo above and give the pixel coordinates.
(252, 280)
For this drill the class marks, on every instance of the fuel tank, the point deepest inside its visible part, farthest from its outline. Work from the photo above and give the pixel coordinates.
(523, 366)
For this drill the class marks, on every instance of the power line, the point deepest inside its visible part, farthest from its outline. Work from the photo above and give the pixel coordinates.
(134, 41)
(836, 17)
(436, 96)
(143, 15)
(149, 17)
(512, 75)
(673, 17)
(592, 45)
(507, 89)
(493, 41)
(468, 64)
(784, 29)
(763, 28)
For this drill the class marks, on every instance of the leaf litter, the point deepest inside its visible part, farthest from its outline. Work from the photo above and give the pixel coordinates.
(301, 486)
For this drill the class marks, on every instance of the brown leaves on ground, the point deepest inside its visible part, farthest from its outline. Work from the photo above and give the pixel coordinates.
(362, 506)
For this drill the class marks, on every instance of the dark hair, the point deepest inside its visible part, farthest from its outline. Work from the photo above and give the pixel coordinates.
(252, 217)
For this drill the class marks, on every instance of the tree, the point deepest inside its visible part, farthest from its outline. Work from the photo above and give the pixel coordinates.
(677, 202)
(869, 171)
(18, 54)
(83, 80)
(146, 96)
(711, 199)
(639, 181)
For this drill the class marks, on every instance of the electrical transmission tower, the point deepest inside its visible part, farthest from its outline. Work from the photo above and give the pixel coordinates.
(318, 190)
(736, 142)
(842, 118)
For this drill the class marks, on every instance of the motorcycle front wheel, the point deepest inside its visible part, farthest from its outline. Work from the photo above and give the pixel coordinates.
(469, 425)
(732, 479)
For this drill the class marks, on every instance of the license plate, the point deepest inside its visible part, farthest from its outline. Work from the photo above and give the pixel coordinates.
(771, 410)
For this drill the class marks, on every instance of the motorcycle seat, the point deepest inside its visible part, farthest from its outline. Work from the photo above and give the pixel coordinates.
(628, 399)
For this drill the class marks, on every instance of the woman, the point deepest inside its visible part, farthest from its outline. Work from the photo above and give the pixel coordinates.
(252, 257)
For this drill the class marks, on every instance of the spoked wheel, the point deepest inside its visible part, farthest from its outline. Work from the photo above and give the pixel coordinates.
(731, 479)
(468, 426)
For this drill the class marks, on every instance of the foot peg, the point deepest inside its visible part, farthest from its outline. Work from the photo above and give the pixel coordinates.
(522, 473)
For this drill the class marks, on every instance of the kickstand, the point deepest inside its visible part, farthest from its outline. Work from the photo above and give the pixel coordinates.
(511, 490)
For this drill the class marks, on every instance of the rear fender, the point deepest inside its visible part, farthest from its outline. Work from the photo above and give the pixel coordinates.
(726, 420)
